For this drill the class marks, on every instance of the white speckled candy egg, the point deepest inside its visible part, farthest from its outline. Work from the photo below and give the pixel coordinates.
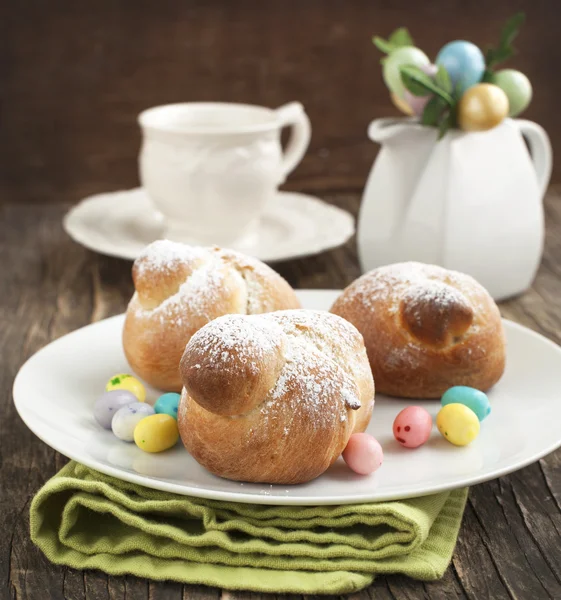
(109, 403)
(127, 418)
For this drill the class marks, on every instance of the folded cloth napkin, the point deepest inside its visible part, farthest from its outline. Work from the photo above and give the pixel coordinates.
(87, 520)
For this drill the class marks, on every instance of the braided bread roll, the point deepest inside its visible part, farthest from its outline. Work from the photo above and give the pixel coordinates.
(274, 398)
(179, 289)
(426, 329)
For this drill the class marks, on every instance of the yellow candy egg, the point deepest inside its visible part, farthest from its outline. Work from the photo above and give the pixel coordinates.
(156, 433)
(482, 107)
(458, 424)
(124, 381)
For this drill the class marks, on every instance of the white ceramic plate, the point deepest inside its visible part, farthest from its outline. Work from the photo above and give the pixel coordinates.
(54, 392)
(123, 223)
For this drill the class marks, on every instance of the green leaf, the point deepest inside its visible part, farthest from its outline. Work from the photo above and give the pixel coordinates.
(505, 49)
(444, 125)
(495, 57)
(442, 79)
(511, 29)
(433, 111)
(420, 84)
(487, 76)
(382, 44)
(401, 37)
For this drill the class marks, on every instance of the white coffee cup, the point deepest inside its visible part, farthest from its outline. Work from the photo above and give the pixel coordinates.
(211, 168)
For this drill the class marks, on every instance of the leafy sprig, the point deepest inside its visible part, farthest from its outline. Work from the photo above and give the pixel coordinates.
(399, 38)
(505, 50)
(420, 84)
(440, 111)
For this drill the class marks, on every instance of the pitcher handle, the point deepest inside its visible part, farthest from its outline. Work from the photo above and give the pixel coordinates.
(540, 150)
(293, 115)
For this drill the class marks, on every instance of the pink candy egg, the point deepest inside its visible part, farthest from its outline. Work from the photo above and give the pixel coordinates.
(416, 103)
(430, 70)
(363, 454)
(412, 426)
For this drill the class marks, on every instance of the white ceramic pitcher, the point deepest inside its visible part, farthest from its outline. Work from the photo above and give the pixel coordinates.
(470, 202)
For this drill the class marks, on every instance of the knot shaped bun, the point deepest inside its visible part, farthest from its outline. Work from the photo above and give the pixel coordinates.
(274, 398)
(426, 329)
(178, 290)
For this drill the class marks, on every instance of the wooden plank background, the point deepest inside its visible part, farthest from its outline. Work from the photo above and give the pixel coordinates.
(74, 75)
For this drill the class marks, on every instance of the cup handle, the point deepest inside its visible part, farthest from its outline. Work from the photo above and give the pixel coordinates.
(540, 150)
(293, 115)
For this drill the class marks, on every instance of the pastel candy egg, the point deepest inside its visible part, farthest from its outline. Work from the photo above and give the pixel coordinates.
(406, 55)
(412, 426)
(127, 418)
(107, 405)
(401, 104)
(517, 88)
(124, 381)
(363, 454)
(416, 103)
(458, 424)
(470, 397)
(464, 62)
(482, 107)
(167, 404)
(156, 433)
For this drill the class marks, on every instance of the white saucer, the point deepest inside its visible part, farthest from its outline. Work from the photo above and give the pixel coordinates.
(122, 223)
(55, 390)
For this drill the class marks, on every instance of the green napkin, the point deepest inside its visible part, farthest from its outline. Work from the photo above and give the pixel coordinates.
(87, 520)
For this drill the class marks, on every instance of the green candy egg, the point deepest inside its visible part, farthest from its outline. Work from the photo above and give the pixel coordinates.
(406, 55)
(167, 404)
(517, 88)
(474, 399)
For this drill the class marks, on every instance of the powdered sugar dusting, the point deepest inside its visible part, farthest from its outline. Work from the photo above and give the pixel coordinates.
(163, 255)
(435, 292)
(417, 280)
(209, 272)
(315, 382)
(385, 288)
(317, 379)
(232, 340)
(200, 292)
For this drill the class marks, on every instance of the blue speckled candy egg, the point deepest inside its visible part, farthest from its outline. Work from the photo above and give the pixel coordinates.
(167, 404)
(109, 403)
(474, 399)
(464, 62)
(127, 418)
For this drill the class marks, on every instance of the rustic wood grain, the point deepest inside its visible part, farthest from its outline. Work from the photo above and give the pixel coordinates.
(74, 75)
(509, 544)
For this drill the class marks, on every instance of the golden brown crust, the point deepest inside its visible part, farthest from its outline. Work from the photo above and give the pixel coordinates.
(425, 329)
(274, 398)
(179, 289)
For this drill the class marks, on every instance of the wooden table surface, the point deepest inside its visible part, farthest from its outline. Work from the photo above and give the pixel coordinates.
(510, 542)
